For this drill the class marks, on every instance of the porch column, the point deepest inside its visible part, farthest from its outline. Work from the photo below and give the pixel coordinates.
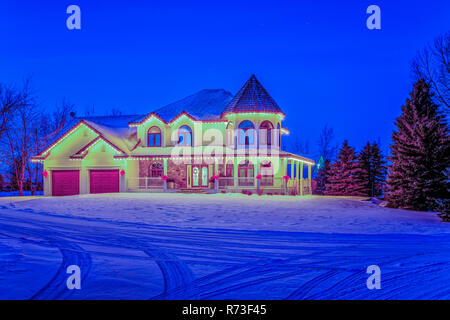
(235, 171)
(283, 181)
(291, 180)
(165, 173)
(301, 178)
(297, 179)
(309, 178)
(258, 171)
(292, 169)
(216, 173)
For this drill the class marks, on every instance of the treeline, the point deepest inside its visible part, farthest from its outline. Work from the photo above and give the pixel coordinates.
(25, 128)
(353, 174)
(417, 176)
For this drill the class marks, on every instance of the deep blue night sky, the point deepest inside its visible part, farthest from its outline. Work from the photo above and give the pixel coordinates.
(316, 58)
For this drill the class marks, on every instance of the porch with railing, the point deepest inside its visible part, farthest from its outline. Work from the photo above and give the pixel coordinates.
(273, 185)
(149, 183)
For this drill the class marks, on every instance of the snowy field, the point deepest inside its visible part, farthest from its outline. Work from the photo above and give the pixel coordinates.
(224, 246)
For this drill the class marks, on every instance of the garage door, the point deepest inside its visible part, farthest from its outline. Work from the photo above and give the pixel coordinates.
(104, 181)
(65, 182)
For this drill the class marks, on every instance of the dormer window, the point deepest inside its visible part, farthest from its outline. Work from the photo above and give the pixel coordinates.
(154, 137)
(246, 133)
(185, 136)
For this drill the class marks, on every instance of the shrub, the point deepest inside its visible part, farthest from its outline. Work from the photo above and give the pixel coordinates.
(444, 209)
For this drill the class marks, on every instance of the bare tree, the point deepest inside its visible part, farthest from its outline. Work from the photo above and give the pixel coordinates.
(116, 112)
(325, 143)
(61, 115)
(45, 129)
(299, 146)
(433, 65)
(18, 135)
(9, 100)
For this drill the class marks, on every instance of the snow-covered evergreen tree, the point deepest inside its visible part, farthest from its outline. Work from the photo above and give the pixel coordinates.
(373, 170)
(420, 152)
(344, 174)
(322, 177)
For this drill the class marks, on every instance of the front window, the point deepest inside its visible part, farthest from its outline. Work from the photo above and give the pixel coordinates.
(156, 170)
(246, 173)
(246, 133)
(266, 173)
(154, 137)
(185, 136)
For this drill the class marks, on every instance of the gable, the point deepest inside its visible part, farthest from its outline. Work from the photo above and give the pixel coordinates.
(74, 141)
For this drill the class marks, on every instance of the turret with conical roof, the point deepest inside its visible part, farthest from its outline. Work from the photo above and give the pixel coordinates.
(252, 98)
(253, 118)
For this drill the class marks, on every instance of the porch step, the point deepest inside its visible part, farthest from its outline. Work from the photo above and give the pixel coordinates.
(186, 190)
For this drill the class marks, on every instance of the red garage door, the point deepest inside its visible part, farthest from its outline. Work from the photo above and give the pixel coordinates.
(65, 182)
(104, 181)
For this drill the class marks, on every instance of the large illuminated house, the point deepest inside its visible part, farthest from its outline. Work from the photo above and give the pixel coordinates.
(206, 142)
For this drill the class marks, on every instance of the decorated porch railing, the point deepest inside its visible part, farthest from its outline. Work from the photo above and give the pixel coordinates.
(150, 183)
(274, 185)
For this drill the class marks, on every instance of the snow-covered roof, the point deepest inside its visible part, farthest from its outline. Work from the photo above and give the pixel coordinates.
(122, 137)
(206, 104)
(115, 129)
(118, 121)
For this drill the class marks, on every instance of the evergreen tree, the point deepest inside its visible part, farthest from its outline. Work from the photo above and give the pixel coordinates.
(344, 174)
(322, 177)
(420, 154)
(373, 170)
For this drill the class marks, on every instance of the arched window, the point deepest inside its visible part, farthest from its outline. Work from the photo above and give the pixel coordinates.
(156, 169)
(154, 137)
(246, 133)
(266, 173)
(246, 173)
(184, 136)
(265, 133)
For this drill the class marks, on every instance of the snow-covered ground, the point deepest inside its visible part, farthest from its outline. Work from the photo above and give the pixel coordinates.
(224, 246)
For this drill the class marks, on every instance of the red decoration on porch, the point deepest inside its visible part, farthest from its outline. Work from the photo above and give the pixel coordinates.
(45, 174)
(215, 177)
(164, 177)
(259, 177)
(286, 178)
(122, 173)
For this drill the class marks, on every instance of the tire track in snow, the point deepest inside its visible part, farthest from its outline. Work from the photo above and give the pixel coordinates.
(257, 256)
(71, 253)
(175, 273)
